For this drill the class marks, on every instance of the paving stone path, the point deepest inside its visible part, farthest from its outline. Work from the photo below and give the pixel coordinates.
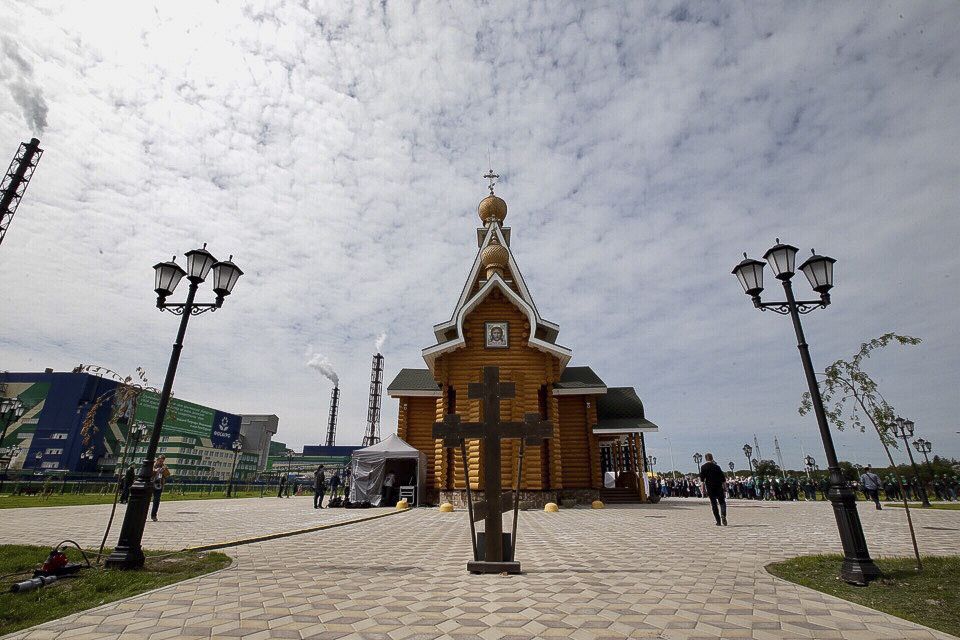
(661, 571)
(181, 523)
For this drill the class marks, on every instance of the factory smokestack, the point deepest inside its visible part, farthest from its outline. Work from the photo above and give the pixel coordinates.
(372, 435)
(332, 420)
(15, 181)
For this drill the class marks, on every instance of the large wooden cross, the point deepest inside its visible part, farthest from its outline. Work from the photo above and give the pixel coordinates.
(491, 431)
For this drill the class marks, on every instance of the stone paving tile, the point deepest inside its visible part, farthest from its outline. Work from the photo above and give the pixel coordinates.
(659, 571)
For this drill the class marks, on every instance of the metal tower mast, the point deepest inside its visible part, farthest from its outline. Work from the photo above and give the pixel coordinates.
(372, 435)
(15, 181)
(332, 420)
(756, 444)
(776, 447)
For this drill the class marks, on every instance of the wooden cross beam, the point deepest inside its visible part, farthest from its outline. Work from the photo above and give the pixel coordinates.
(491, 431)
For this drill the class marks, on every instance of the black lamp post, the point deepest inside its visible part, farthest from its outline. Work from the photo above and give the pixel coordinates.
(809, 463)
(858, 567)
(10, 409)
(236, 446)
(904, 429)
(748, 451)
(129, 553)
(732, 467)
(697, 459)
(925, 447)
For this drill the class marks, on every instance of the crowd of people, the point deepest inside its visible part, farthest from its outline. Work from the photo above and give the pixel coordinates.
(942, 488)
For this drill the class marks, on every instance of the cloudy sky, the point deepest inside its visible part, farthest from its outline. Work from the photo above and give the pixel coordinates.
(337, 152)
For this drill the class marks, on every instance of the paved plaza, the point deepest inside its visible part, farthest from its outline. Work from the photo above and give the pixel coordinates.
(662, 571)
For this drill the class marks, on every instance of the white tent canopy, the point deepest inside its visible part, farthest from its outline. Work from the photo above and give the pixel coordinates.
(368, 468)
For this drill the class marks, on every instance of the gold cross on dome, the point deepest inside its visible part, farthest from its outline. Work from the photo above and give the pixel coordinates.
(492, 177)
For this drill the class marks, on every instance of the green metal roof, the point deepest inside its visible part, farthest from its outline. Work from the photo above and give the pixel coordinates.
(413, 380)
(579, 378)
(621, 408)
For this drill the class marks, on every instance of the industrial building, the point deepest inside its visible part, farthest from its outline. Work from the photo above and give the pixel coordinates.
(72, 423)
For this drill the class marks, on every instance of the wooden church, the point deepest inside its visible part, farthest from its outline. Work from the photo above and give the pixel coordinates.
(597, 448)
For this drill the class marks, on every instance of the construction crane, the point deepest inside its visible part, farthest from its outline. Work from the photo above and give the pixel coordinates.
(15, 181)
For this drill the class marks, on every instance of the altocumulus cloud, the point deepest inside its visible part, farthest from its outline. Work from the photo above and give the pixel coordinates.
(336, 149)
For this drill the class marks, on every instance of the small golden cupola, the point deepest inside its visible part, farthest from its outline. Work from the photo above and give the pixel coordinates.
(492, 208)
(494, 257)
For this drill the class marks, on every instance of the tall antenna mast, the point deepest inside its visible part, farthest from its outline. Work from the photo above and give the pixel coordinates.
(372, 435)
(776, 447)
(15, 181)
(756, 445)
(332, 420)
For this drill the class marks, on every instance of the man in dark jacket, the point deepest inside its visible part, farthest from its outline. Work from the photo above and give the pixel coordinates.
(319, 487)
(714, 481)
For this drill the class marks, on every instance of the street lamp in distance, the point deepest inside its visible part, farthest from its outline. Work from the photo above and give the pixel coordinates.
(697, 459)
(904, 430)
(748, 451)
(236, 446)
(857, 568)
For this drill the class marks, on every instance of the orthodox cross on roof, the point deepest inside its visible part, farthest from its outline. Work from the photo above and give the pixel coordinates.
(492, 177)
(491, 431)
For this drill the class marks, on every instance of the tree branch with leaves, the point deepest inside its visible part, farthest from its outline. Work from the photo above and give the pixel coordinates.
(852, 399)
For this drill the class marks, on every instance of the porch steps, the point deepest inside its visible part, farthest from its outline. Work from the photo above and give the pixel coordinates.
(623, 495)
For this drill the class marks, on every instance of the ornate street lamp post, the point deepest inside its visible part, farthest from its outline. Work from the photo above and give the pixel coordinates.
(748, 451)
(129, 553)
(236, 446)
(732, 467)
(858, 567)
(10, 409)
(697, 459)
(809, 463)
(925, 447)
(904, 429)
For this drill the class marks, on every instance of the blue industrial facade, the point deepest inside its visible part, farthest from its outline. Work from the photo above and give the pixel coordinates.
(65, 405)
(57, 405)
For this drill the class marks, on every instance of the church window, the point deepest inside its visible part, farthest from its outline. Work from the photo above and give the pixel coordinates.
(451, 399)
(542, 403)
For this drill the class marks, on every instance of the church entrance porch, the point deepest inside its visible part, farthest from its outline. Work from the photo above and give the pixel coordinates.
(621, 468)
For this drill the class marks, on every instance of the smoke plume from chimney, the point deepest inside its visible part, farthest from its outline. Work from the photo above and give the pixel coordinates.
(380, 340)
(17, 73)
(321, 364)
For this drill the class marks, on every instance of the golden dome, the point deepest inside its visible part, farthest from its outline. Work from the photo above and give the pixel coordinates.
(492, 208)
(494, 255)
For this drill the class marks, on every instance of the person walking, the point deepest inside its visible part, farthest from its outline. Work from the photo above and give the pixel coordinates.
(319, 487)
(160, 474)
(714, 481)
(282, 485)
(871, 485)
(128, 478)
(335, 484)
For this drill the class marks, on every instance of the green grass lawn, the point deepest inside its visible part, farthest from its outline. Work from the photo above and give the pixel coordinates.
(946, 506)
(92, 587)
(72, 499)
(930, 598)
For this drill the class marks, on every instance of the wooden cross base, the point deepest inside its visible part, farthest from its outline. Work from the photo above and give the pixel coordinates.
(489, 566)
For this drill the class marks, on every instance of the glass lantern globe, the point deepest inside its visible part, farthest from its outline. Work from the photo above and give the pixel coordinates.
(199, 263)
(782, 259)
(750, 274)
(167, 276)
(225, 276)
(819, 272)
